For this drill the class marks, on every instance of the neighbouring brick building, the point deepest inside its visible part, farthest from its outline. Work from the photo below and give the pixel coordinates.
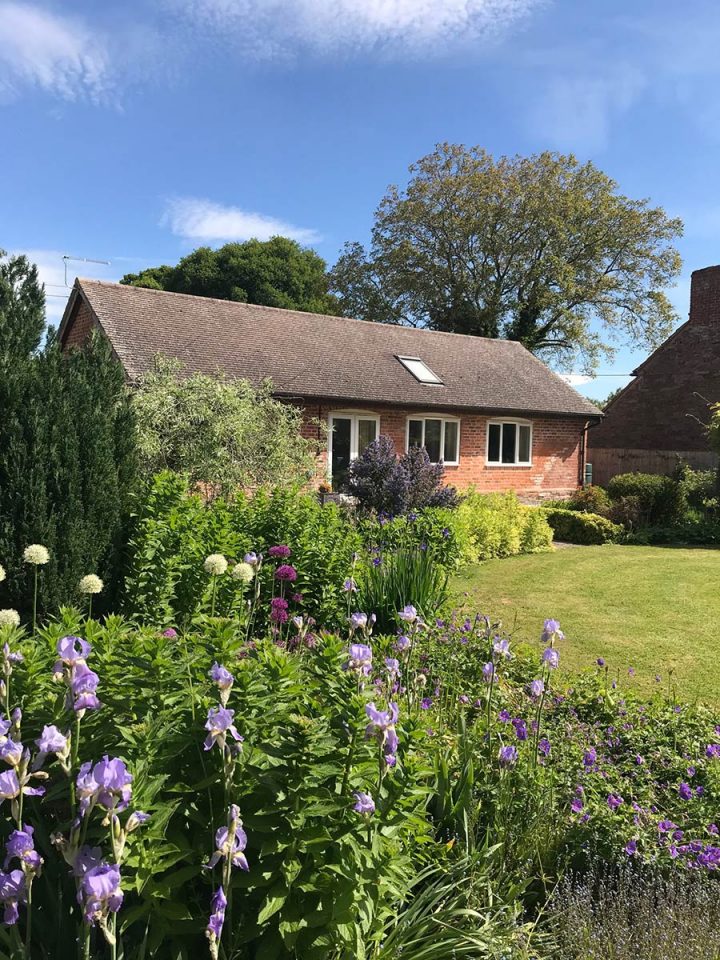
(496, 416)
(657, 420)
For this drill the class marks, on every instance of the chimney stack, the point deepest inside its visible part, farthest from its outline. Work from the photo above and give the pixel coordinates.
(705, 297)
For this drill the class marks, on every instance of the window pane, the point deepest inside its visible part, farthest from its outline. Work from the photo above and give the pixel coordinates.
(340, 449)
(415, 433)
(494, 431)
(508, 442)
(432, 439)
(524, 445)
(450, 453)
(367, 432)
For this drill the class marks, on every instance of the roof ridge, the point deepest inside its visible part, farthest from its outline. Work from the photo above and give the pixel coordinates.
(305, 313)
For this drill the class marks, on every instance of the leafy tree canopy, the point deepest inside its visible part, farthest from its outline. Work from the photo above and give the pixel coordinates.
(276, 272)
(22, 307)
(540, 249)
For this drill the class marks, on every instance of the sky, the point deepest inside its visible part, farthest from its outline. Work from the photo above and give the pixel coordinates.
(135, 131)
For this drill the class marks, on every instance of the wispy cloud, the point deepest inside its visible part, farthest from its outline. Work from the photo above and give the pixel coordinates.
(271, 28)
(203, 220)
(576, 379)
(57, 54)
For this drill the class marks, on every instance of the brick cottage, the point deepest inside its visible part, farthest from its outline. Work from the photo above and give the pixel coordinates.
(496, 416)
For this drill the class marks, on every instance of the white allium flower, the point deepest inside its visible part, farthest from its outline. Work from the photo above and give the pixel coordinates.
(9, 618)
(90, 584)
(243, 571)
(2, 573)
(215, 564)
(36, 553)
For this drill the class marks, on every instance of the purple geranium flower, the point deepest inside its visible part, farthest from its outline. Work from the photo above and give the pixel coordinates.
(614, 800)
(364, 804)
(590, 757)
(600, 662)
(685, 791)
(544, 746)
(631, 848)
(577, 804)
(170, 633)
(220, 723)
(504, 716)
(520, 728)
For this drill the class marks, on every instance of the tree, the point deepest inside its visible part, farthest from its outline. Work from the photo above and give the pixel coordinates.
(22, 307)
(276, 272)
(539, 249)
(222, 433)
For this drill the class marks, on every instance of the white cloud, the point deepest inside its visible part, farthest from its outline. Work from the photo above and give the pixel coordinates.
(202, 220)
(270, 28)
(576, 379)
(59, 55)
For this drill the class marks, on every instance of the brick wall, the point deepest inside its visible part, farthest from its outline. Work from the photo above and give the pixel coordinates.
(556, 451)
(79, 326)
(660, 410)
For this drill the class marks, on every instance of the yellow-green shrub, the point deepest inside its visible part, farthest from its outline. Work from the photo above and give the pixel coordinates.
(498, 525)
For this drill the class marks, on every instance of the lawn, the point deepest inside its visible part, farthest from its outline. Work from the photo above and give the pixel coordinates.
(656, 609)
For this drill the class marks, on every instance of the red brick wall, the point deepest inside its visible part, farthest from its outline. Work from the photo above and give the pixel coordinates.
(659, 409)
(79, 326)
(556, 451)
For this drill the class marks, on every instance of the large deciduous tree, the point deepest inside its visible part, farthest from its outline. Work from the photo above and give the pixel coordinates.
(540, 249)
(276, 272)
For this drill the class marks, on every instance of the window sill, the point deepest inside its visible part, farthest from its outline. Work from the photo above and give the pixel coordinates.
(508, 466)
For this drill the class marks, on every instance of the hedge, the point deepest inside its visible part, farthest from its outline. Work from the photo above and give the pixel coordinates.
(572, 526)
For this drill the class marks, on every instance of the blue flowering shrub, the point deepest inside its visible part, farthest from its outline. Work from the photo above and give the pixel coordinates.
(254, 786)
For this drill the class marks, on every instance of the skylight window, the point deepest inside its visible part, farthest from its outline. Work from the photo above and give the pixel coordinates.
(420, 370)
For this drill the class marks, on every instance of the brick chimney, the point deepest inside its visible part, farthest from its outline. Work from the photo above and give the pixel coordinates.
(705, 297)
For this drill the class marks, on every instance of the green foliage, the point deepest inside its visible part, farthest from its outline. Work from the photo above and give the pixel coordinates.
(394, 579)
(660, 498)
(67, 470)
(498, 525)
(22, 310)
(590, 499)
(714, 428)
(699, 489)
(434, 529)
(572, 526)
(222, 433)
(536, 249)
(175, 530)
(276, 272)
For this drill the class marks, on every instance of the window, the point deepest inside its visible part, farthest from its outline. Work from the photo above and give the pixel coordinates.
(349, 434)
(440, 437)
(509, 443)
(420, 370)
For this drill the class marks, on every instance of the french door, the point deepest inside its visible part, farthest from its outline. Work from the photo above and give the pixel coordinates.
(349, 435)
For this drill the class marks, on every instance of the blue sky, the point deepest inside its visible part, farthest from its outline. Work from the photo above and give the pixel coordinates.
(135, 131)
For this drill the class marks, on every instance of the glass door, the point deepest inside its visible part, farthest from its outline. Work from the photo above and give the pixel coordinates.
(340, 450)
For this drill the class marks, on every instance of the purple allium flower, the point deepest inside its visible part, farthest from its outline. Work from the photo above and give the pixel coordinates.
(631, 848)
(100, 892)
(685, 791)
(600, 662)
(408, 613)
(278, 610)
(488, 671)
(220, 723)
(544, 746)
(286, 572)
(590, 757)
(72, 650)
(21, 846)
(364, 804)
(358, 620)
(504, 716)
(12, 892)
(216, 920)
(536, 689)
(350, 586)
(577, 804)
(360, 660)
(520, 728)
(170, 633)
(279, 552)
(551, 657)
(507, 755)
(501, 647)
(614, 800)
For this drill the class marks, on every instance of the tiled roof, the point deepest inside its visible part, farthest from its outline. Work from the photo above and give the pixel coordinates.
(323, 357)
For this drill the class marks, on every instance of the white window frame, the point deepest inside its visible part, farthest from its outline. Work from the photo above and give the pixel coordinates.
(354, 416)
(498, 422)
(422, 417)
(432, 379)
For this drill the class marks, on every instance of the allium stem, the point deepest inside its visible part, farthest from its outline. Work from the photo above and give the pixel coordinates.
(35, 593)
(214, 592)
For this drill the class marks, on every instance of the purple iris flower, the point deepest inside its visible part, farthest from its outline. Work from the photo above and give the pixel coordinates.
(382, 726)
(402, 643)
(408, 613)
(685, 791)
(501, 647)
(286, 572)
(107, 783)
(360, 660)
(83, 685)
(72, 650)
(251, 558)
(21, 846)
(230, 845)
(52, 741)
(280, 552)
(358, 620)
(551, 628)
(614, 800)
(220, 723)
(536, 689)
(392, 666)
(551, 657)
(100, 892)
(364, 804)
(9, 785)
(218, 905)
(507, 755)
(350, 586)
(11, 752)
(224, 679)
(488, 671)
(12, 892)
(86, 859)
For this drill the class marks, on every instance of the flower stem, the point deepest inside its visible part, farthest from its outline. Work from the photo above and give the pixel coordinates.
(35, 592)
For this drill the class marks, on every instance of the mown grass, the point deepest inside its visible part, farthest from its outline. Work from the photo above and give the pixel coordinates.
(655, 609)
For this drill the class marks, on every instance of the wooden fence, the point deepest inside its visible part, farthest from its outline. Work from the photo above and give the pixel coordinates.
(607, 462)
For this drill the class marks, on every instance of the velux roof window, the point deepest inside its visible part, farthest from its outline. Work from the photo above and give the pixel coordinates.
(420, 370)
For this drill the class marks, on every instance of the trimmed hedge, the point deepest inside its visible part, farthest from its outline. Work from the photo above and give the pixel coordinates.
(493, 525)
(573, 526)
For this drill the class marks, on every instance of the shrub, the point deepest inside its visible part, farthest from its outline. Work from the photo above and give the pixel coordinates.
(398, 578)
(699, 489)
(222, 433)
(387, 484)
(572, 526)
(627, 512)
(435, 529)
(498, 525)
(590, 499)
(660, 498)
